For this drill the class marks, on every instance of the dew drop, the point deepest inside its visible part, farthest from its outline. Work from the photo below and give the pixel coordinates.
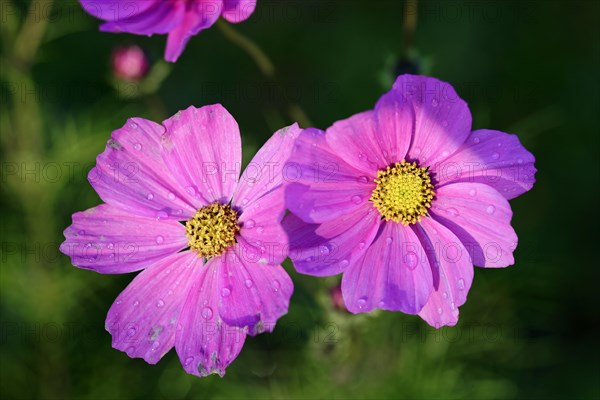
(453, 306)
(131, 331)
(161, 215)
(452, 211)
(344, 263)
(137, 146)
(361, 302)
(207, 313)
(363, 179)
(490, 210)
(159, 239)
(190, 190)
(110, 246)
(171, 196)
(325, 249)
(445, 295)
(225, 292)
(472, 192)
(461, 284)
(434, 102)
(445, 153)
(417, 151)
(160, 303)
(495, 156)
(248, 283)
(389, 240)
(249, 224)
(276, 285)
(245, 201)
(189, 360)
(356, 199)
(136, 303)
(260, 229)
(130, 351)
(520, 160)
(150, 196)
(440, 311)
(361, 245)
(476, 140)
(411, 260)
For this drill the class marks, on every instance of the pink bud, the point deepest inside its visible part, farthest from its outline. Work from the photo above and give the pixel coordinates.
(130, 63)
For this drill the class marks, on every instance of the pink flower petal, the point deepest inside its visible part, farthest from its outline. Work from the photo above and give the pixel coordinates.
(395, 118)
(112, 10)
(253, 294)
(442, 119)
(203, 148)
(452, 273)
(356, 140)
(261, 231)
(200, 15)
(160, 17)
(131, 175)
(322, 186)
(491, 157)
(327, 249)
(393, 274)
(238, 10)
(267, 169)
(205, 344)
(143, 319)
(111, 241)
(480, 217)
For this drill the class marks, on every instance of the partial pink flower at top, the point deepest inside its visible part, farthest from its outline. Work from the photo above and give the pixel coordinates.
(404, 199)
(129, 63)
(208, 240)
(179, 19)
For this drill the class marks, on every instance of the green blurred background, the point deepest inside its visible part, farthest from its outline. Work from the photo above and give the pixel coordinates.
(526, 67)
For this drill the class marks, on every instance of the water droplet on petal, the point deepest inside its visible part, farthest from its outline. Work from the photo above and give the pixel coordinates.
(325, 250)
(245, 201)
(476, 140)
(150, 196)
(461, 284)
(110, 246)
(490, 210)
(495, 156)
(472, 192)
(452, 211)
(411, 260)
(130, 351)
(520, 160)
(361, 245)
(389, 240)
(207, 313)
(136, 303)
(171, 196)
(445, 153)
(161, 215)
(363, 179)
(160, 303)
(137, 146)
(155, 345)
(434, 102)
(131, 331)
(344, 263)
(445, 295)
(248, 283)
(361, 302)
(276, 285)
(190, 190)
(356, 199)
(225, 292)
(249, 224)
(188, 361)
(159, 239)
(440, 311)
(260, 229)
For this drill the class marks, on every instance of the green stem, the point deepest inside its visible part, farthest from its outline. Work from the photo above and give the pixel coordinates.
(409, 26)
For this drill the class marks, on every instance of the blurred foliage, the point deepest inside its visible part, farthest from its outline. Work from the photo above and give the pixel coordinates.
(528, 331)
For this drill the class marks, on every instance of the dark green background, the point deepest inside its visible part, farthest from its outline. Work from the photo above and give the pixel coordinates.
(525, 67)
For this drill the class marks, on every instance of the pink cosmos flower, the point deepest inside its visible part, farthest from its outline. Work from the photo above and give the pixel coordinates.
(130, 63)
(404, 199)
(179, 19)
(209, 243)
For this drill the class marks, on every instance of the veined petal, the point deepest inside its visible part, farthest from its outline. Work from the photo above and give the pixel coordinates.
(253, 294)
(202, 146)
(480, 217)
(329, 248)
(491, 157)
(267, 170)
(395, 125)
(322, 186)
(131, 175)
(393, 274)
(205, 343)
(113, 10)
(442, 118)
(160, 17)
(144, 318)
(452, 271)
(111, 241)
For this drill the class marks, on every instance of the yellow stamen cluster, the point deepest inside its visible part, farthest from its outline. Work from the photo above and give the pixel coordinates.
(212, 229)
(403, 193)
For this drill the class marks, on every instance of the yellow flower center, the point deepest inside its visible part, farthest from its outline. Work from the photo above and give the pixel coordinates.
(403, 193)
(212, 229)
